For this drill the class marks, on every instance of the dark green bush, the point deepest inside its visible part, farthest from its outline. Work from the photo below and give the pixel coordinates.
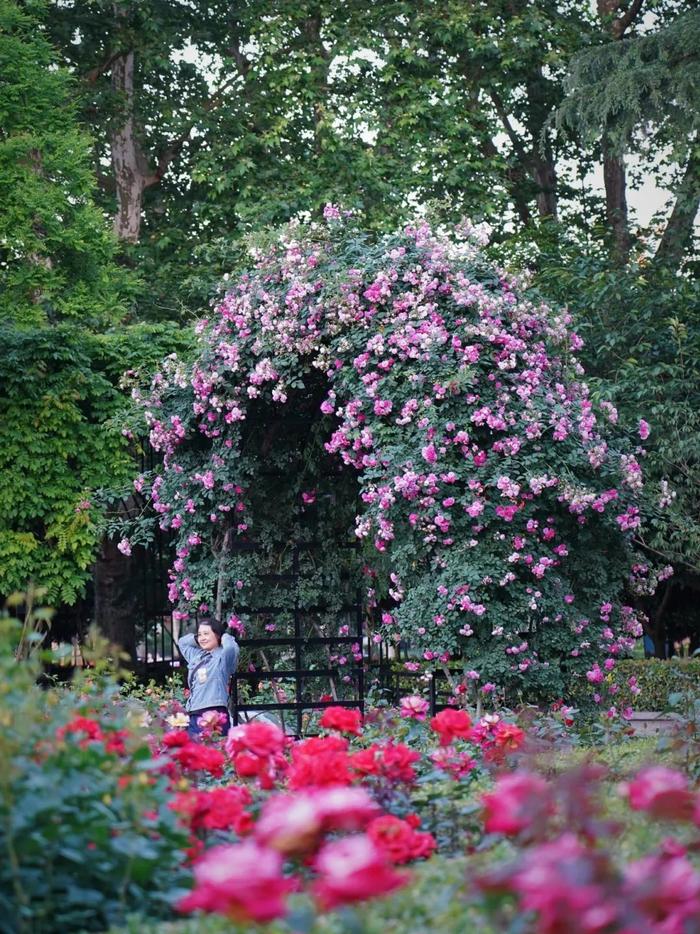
(86, 834)
(658, 679)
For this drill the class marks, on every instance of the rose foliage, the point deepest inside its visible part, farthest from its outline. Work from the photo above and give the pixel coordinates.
(110, 810)
(495, 497)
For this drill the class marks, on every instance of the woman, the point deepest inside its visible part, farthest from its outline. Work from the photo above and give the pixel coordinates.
(211, 656)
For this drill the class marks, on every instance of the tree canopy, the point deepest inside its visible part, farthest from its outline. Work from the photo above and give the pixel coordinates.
(64, 299)
(210, 124)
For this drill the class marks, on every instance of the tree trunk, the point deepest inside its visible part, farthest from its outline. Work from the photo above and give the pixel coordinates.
(544, 174)
(127, 157)
(655, 611)
(615, 182)
(115, 597)
(614, 176)
(679, 229)
(541, 161)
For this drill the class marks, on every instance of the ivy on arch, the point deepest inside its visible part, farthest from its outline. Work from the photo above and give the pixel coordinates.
(432, 404)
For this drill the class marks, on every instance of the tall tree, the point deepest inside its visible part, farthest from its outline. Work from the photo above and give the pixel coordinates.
(64, 303)
(56, 255)
(211, 123)
(640, 89)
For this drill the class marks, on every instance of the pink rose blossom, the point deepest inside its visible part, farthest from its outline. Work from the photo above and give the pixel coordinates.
(353, 869)
(415, 707)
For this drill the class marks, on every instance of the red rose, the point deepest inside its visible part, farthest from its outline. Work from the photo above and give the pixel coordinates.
(114, 742)
(397, 762)
(243, 882)
(215, 809)
(342, 719)
(365, 761)
(317, 745)
(452, 724)
(176, 738)
(399, 840)
(508, 736)
(327, 768)
(197, 758)
(85, 730)
(261, 739)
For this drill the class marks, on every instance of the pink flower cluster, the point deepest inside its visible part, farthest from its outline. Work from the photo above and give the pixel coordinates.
(456, 399)
(294, 842)
(566, 876)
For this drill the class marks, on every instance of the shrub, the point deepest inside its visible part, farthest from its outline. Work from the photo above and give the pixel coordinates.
(658, 680)
(495, 498)
(86, 835)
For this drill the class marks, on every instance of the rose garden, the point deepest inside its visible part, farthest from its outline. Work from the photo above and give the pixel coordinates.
(439, 486)
(495, 502)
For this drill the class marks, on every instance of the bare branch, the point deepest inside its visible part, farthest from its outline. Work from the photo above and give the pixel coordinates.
(94, 73)
(620, 25)
(507, 125)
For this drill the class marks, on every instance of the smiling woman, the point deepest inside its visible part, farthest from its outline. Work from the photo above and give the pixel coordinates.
(211, 656)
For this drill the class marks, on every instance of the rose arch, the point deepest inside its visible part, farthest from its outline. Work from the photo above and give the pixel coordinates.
(407, 392)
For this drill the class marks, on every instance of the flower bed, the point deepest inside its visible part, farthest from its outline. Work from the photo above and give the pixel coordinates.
(107, 811)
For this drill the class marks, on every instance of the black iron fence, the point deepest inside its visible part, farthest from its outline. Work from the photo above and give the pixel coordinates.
(313, 656)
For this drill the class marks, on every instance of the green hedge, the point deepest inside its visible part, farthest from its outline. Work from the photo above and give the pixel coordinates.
(659, 679)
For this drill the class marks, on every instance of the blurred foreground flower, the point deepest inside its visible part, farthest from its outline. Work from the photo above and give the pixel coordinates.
(244, 882)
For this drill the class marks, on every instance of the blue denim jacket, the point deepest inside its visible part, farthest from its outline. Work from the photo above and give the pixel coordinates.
(208, 673)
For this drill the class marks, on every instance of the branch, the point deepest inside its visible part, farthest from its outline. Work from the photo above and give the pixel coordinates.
(505, 120)
(221, 576)
(94, 73)
(620, 25)
(679, 228)
(175, 147)
(681, 562)
(312, 31)
(243, 63)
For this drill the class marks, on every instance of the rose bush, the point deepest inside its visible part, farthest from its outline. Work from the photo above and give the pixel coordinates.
(549, 850)
(86, 834)
(109, 810)
(569, 874)
(495, 497)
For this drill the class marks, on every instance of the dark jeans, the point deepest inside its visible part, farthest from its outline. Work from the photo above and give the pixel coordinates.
(195, 730)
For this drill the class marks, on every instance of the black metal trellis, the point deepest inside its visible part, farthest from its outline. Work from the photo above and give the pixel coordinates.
(253, 691)
(290, 672)
(293, 668)
(395, 680)
(156, 654)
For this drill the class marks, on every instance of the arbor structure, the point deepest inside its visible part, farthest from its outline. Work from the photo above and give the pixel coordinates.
(494, 497)
(208, 122)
